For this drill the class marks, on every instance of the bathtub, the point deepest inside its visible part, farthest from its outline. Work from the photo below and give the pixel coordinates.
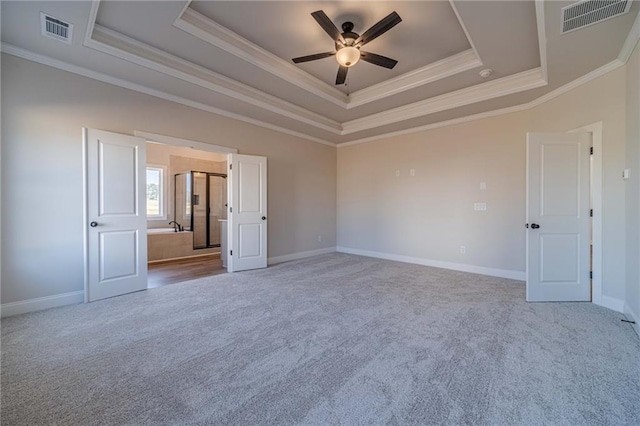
(166, 244)
(161, 230)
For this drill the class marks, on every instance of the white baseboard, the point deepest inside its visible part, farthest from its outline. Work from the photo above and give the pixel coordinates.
(633, 316)
(40, 303)
(299, 255)
(502, 273)
(611, 303)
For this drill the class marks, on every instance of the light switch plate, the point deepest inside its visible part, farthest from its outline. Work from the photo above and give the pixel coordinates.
(626, 173)
(483, 186)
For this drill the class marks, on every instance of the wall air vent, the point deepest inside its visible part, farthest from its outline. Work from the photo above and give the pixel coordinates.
(55, 28)
(589, 12)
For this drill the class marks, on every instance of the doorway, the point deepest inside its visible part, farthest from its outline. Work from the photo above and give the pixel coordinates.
(593, 234)
(116, 213)
(186, 207)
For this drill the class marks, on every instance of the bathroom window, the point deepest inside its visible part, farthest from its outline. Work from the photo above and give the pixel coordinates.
(155, 192)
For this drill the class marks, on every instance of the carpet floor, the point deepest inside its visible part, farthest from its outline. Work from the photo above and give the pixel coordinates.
(335, 339)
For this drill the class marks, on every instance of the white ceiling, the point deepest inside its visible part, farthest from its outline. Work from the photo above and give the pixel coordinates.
(234, 57)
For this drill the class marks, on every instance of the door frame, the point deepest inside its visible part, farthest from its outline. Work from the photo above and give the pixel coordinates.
(596, 222)
(200, 146)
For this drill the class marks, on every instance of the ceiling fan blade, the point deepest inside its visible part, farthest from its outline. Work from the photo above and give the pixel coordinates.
(342, 75)
(313, 57)
(379, 60)
(328, 26)
(384, 25)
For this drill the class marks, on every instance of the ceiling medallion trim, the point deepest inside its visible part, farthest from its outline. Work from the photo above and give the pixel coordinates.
(215, 34)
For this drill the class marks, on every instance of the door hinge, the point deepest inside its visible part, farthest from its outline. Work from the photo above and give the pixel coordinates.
(591, 151)
(230, 209)
(230, 252)
(590, 275)
(591, 213)
(231, 165)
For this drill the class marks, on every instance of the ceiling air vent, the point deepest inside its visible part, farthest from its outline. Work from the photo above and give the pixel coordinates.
(55, 28)
(589, 12)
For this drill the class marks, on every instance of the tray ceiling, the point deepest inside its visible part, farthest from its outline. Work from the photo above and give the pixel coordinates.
(234, 57)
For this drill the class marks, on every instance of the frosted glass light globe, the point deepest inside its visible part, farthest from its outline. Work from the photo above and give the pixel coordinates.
(348, 56)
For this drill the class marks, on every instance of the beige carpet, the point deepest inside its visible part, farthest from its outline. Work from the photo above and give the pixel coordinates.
(335, 339)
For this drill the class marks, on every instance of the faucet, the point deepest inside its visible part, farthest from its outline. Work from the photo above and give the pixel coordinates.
(176, 226)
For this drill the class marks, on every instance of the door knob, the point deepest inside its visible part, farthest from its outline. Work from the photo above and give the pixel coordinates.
(93, 224)
(264, 218)
(535, 226)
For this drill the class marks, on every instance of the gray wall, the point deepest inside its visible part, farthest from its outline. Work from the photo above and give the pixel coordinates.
(431, 215)
(43, 111)
(633, 186)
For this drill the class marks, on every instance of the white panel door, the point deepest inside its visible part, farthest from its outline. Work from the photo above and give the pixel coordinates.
(115, 214)
(247, 219)
(558, 217)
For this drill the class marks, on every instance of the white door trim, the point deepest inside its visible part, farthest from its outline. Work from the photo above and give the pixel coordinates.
(170, 140)
(596, 199)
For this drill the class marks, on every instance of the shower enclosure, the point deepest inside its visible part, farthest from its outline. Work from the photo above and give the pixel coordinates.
(200, 202)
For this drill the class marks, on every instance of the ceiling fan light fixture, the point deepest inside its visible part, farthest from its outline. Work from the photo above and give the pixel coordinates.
(348, 56)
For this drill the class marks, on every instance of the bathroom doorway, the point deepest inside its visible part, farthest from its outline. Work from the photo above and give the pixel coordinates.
(186, 207)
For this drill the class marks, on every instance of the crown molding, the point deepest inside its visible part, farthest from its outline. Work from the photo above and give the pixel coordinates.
(599, 72)
(452, 122)
(631, 41)
(207, 30)
(605, 69)
(118, 45)
(123, 47)
(447, 67)
(155, 59)
(211, 32)
(75, 69)
(464, 28)
(520, 82)
(542, 37)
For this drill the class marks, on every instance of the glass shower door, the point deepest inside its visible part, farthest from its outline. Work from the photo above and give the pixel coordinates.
(217, 207)
(199, 210)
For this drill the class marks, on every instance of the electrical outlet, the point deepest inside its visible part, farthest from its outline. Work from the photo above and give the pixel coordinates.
(397, 173)
(463, 249)
(319, 238)
(483, 186)
(412, 172)
(480, 206)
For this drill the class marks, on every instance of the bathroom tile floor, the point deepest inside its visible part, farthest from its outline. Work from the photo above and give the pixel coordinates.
(161, 274)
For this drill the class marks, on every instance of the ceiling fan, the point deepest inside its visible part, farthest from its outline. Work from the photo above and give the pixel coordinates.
(348, 43)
